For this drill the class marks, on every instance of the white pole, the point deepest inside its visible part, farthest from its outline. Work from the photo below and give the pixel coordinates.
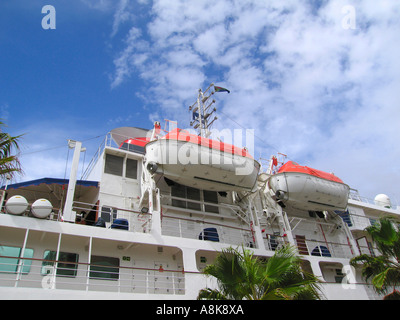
(68, 214)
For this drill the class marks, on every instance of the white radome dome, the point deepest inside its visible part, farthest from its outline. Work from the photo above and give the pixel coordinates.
(383, 200)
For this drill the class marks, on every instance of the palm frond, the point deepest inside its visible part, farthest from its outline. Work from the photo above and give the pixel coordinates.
(240, 275)
(9, 162)
(210, 294)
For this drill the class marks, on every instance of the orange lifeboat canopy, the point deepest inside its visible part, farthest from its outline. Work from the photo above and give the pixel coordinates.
(292, 166)
(183, 135)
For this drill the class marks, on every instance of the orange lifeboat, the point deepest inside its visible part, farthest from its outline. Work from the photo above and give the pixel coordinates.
(308, 189)
(201, 162)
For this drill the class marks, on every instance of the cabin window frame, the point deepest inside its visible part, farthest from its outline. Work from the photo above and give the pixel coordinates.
(205, 197)
(7, 265)
(67, 264)
(121, 166)
(100, 270)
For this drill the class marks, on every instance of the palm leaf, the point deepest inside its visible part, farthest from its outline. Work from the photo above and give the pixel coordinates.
(9, 163)
(240, 275)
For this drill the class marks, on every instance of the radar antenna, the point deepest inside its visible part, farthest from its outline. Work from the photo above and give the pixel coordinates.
(201, 112)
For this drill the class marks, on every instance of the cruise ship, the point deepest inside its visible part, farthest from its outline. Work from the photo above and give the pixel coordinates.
(154, 207)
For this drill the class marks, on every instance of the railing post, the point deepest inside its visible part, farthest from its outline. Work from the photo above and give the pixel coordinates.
(180, 228)
(21, 261)
(89, 262)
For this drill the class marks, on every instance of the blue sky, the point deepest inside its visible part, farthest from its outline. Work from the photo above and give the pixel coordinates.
(316, 80)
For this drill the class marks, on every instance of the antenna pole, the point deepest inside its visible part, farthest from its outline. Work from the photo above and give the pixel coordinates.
(201, 112)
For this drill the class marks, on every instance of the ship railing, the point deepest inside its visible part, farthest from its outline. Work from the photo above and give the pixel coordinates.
(137, 221)
(107, 142)
(206, 231)
(274, 242)
(318, 237)
(167, 202)
(233, 226)
(326, 249)
(53, 274)
(354, 195)
(89, 214)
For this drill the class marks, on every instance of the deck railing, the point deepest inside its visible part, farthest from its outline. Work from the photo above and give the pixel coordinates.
(328, 249)
(207, 231)
(136, 221)
(53, 274)
(227, 223)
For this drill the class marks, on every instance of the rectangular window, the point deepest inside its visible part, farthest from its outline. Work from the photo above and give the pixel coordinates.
(179, 191)
(211, 197)
(339, 276)
(190, 193)
(131, 168)
(113, 165)
(184, 192)
(104, 268)
(193, 194)
(67, 263)
(135, 148)
(10, 265)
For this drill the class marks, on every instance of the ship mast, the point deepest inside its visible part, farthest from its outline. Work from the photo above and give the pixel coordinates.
(201, 112)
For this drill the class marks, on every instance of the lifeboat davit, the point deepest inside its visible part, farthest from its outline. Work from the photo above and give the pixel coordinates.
(202, 163)
(305, 188)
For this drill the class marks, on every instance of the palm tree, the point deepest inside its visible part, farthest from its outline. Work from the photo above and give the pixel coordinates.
(384, 270)
(9, 162)
(240, 276)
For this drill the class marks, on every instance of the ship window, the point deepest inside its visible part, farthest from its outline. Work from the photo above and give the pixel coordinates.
(321, 251)
(67, 265)
(184, 192)
(113, 165)
(179, 191)
(212, 197)
(135, 148)
(193, 194)
(339, 276)
(131, 168)
(124, 146)
(188, 193)
(10, 265)
(104, 268)
(345, 215)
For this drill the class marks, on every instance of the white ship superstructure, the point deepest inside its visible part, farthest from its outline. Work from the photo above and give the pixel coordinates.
(142, 223)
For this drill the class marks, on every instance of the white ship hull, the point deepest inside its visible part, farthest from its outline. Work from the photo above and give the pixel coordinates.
(201, 167)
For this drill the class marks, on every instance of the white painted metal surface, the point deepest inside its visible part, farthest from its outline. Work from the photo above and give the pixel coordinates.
(201, 167)
(307, 192)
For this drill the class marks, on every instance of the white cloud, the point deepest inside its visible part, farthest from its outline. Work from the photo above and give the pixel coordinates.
(325, 95)
(102, 5)
(126, 59)
(121, 15)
